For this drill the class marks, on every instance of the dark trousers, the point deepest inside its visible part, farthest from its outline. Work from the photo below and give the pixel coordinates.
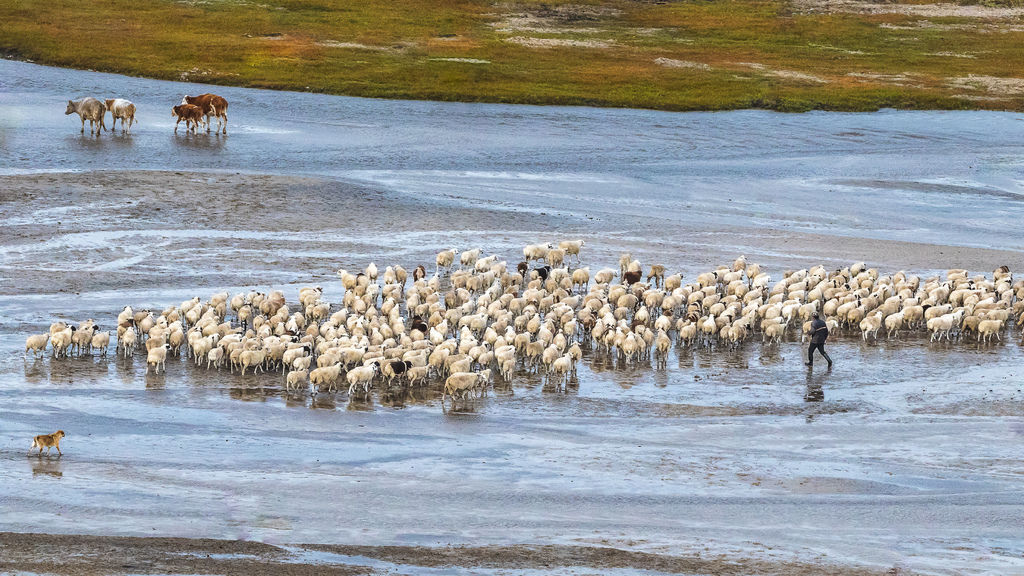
(820, 347)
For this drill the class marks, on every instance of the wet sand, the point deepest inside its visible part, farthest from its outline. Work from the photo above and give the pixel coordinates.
(76, 555)
(124, 230)
(902, 459)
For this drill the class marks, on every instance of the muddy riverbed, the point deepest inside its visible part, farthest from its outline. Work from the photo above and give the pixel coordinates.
(905, 455)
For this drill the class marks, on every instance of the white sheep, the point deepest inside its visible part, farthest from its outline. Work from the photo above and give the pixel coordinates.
(555, 257)
(417, 374)
(128, 341)
(469, 257)
(126, 315)
(253, 358)
(301, 363)
(893, 323)
(214, 357)
(572, 248)
(773, 332)
(624, 260)
(325, 377)
(560, 369)
(100, 341)
(943, 325)
(82, 337)
(37, 343)
(445, 259)
(61, 341)
(989, 327)
(296, 379)
(871, 325)
(460, 383)
(535, 251)
(156, 358)
(361, 376)
(581, 278)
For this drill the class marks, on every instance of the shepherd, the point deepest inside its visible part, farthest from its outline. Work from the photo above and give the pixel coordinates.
(819, 333)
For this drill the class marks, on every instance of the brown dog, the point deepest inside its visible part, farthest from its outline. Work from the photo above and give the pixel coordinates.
(47, 441)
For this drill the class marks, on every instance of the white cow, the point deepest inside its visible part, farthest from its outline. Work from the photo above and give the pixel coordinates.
(89, 109)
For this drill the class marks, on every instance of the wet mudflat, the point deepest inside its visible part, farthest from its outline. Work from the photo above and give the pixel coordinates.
(905, 455)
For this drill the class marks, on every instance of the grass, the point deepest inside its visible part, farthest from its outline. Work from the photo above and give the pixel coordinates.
(676, 55)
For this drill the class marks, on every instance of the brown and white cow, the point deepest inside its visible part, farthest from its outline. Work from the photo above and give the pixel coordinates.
(211, 104)
(192, 115)
(123, 109)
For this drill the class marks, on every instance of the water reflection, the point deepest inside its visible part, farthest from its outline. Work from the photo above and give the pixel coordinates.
(660, 379)
(456, 407)
(35, 370)
(571, 384)
(360, 404)
(323, 402)
(770, 355)
(400, 397)
(815, 391)
(125, 369)
(86, 141)
(248, 394)
(46, 465)
(294, 399)
(200, 141)
(156, 381)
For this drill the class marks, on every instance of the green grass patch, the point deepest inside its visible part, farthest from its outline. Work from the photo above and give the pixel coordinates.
(680, 55)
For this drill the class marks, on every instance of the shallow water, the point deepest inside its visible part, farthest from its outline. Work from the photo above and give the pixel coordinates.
(830, 173)
(905, 454)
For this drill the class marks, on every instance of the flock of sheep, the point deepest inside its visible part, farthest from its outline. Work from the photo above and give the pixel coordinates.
(193, 110)
(474, 319)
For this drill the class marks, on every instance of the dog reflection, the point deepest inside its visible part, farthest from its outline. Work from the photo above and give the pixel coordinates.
(47, 465)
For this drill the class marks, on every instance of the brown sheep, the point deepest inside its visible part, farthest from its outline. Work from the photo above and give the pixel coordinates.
(630, 278)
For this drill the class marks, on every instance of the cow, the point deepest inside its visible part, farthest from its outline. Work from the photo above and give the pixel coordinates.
(89, 109)
(211, 104)
(123, 109)
(192, 115)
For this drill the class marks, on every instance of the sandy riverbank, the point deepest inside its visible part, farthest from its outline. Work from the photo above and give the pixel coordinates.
(77, 555)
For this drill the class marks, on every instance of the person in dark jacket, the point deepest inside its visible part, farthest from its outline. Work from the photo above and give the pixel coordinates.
(819, 333)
